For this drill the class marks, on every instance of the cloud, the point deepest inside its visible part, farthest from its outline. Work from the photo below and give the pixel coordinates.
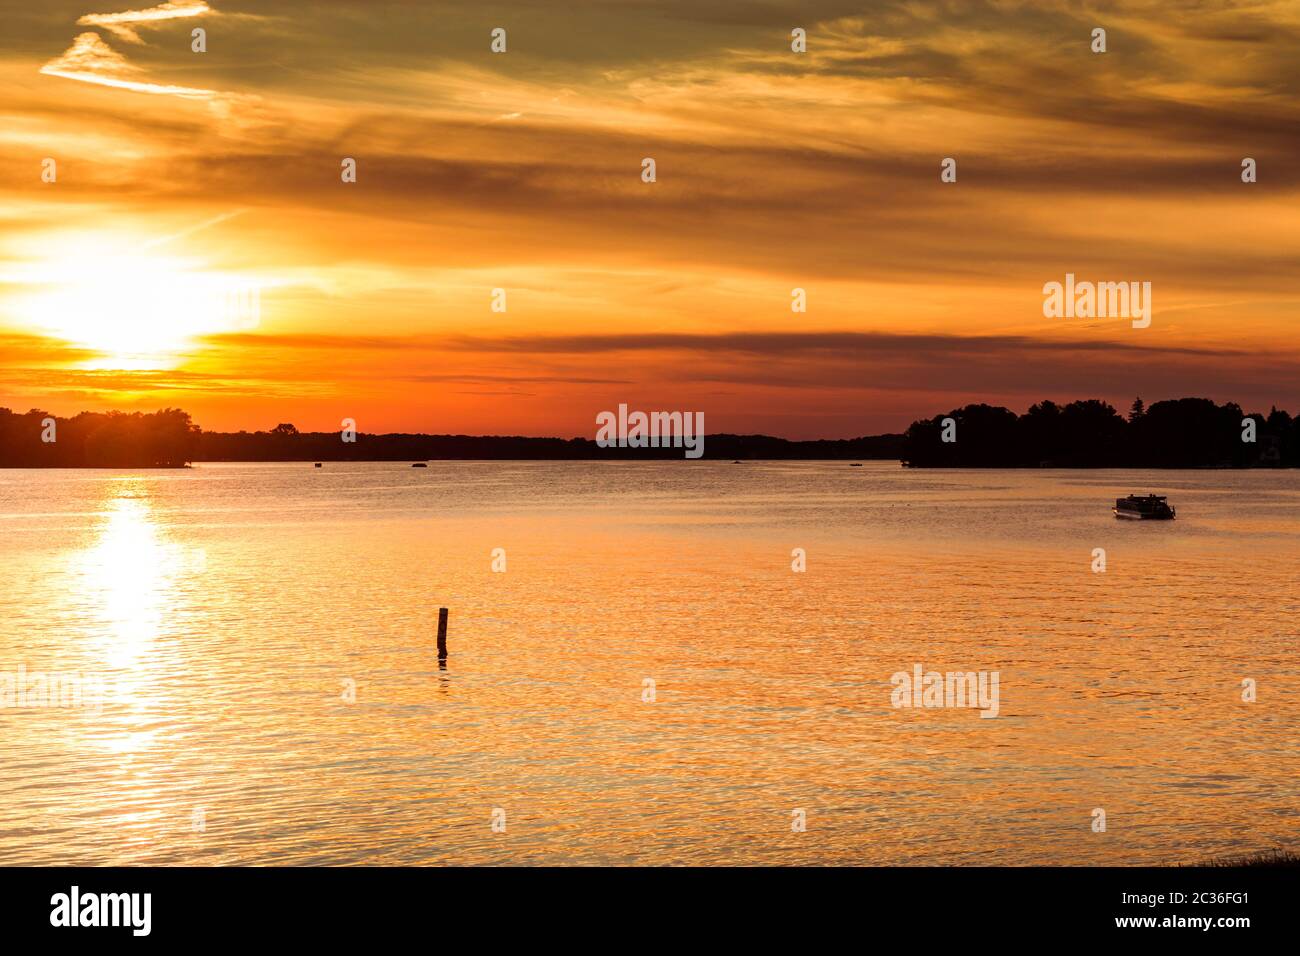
(91, 60)
(797, 382)
(780, 343)
(776, 170)
(37, 350)
(89, 55)
(765, 345)
(124, 24)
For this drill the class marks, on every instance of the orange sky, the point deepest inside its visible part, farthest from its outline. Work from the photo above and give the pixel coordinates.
(185, 180)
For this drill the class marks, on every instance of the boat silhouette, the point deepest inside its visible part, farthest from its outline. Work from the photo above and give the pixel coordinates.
(1144, 507)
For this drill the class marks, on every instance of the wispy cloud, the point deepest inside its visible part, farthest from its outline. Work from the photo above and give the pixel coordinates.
(91, 60)
(125, 23)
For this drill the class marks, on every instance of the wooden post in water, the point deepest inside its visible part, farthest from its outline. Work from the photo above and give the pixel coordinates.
(442, 633)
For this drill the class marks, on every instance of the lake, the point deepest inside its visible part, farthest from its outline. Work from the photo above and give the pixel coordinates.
(648, 681)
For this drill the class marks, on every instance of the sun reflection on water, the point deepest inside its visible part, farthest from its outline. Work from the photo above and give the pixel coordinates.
(132, 581)
(130, 573)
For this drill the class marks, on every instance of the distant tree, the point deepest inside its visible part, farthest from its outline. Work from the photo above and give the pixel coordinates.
(987, 437)
(1278, 420)
(1189, 433)
(1041, 435)
(163, 439)
(1182, 433)
(285, 429)
(1093, 434)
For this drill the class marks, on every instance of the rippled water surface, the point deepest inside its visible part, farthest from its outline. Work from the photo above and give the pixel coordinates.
(227, 610)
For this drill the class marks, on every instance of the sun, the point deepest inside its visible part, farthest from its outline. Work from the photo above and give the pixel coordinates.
(135, 309)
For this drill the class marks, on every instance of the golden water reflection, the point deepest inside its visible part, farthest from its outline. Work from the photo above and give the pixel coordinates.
(129, 576)
(1118, 690)
(129, 580)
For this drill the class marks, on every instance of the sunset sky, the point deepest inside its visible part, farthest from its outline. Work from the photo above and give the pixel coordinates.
(184, 178)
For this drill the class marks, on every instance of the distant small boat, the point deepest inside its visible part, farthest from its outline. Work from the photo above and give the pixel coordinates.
(318, 464)
(1144, 507)
(420, 464)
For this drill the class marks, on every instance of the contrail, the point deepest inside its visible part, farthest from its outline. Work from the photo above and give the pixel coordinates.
(198, 227)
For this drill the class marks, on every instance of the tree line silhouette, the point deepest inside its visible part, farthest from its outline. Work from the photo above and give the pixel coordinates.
(37, 439)
(286, 443)
(169, 439)
(1181, 433)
